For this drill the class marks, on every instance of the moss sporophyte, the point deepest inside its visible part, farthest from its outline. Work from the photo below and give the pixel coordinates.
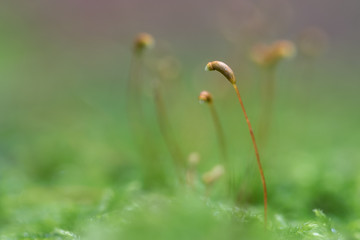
(227, 72)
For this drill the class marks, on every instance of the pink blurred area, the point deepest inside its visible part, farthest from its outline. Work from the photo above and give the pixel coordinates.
(184, 24)
(81, 37)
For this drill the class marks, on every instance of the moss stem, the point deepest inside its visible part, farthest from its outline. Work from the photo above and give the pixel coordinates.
(256, 152)
(170, 142)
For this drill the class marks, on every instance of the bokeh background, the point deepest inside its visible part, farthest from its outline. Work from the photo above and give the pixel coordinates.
(65, 143)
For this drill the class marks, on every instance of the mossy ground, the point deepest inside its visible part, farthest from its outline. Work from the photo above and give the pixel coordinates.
(70, 169)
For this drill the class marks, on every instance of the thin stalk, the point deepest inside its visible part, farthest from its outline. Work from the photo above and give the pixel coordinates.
(135, 115)
(222, 144)
(134, 106)
(137, 120)
(256, 152)
(134, 84)
(170, 142)
(219, 132)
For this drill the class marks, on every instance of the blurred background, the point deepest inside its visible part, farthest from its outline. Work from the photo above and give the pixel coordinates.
(65, 141)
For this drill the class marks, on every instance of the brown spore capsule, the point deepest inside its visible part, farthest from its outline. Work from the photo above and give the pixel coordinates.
(143, 41)
(205, 96)
(223, 69)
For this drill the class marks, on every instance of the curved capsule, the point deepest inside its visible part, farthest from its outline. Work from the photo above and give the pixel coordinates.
(223, 69)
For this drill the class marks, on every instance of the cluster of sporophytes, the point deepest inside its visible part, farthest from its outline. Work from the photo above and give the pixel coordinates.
(266, 56)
